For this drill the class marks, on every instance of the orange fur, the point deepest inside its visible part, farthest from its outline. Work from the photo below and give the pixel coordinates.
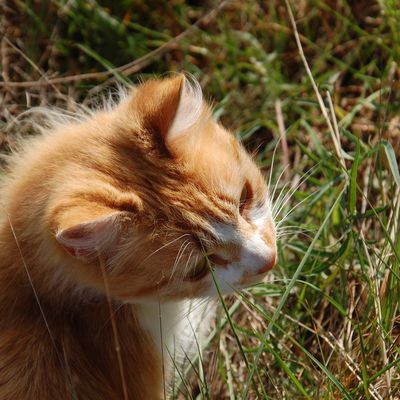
(128, 188)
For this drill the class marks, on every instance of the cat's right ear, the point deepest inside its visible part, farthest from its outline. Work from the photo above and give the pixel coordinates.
(170, 107)
(92, 238)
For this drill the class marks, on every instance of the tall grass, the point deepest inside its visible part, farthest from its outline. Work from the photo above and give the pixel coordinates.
(326, 324)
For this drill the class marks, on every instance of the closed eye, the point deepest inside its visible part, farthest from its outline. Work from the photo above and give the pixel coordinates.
(246, 197)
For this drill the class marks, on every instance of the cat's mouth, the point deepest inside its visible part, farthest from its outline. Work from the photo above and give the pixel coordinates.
(198, 271)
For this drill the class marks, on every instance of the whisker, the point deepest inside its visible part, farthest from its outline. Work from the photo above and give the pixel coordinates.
(272, 195)
(187, 263)
(281, 197)
(293, 234)
(165, 245)
(292, 191)
(293, 227)
(183, 274)
(286, 232)
(178, 257)
(272, 162)
(302, 178)
(294, 208)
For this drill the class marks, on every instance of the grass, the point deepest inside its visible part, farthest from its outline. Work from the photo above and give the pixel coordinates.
(326, 324)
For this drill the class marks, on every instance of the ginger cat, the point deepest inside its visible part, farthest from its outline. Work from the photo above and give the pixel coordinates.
(105, 220)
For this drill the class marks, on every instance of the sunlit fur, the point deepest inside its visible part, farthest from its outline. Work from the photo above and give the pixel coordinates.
(132, 196)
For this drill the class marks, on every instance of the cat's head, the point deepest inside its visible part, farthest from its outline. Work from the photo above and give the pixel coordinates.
(163, 193)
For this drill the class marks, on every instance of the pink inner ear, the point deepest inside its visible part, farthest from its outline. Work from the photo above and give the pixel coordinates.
(88, 238)
(77, 253)
(189, 109)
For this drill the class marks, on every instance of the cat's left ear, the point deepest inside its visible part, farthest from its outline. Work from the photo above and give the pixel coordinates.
(172, 107)
(92, 237)
(189, 110)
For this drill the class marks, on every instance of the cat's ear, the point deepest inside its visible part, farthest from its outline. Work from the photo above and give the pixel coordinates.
(171, 107)
(95, 237)
(189, 109)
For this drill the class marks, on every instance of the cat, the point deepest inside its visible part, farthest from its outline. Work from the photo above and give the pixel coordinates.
(114, 226)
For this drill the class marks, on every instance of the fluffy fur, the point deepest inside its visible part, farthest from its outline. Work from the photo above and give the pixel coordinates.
(116, 211)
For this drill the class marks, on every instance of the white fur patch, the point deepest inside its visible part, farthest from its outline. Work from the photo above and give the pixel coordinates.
(255, 254)
(226, 233)
(260, 215)
(177, 328)
(189, 108)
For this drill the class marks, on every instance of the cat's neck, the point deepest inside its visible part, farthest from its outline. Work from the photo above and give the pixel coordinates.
(178, 329)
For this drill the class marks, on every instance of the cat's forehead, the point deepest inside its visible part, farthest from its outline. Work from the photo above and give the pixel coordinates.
(219, 158)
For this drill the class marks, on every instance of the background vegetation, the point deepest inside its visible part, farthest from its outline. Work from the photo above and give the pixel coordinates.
(326, 324)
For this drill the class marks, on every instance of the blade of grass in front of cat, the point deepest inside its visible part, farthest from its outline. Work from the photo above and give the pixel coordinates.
(231, 324)
(287, 291)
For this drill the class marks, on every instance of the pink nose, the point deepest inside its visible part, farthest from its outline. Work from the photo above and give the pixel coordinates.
(269, 265)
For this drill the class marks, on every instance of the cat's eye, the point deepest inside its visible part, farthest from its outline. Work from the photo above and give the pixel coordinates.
(199, 271)
(245, 197)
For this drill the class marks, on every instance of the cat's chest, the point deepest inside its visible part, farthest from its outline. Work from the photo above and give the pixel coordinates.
(177, 328)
